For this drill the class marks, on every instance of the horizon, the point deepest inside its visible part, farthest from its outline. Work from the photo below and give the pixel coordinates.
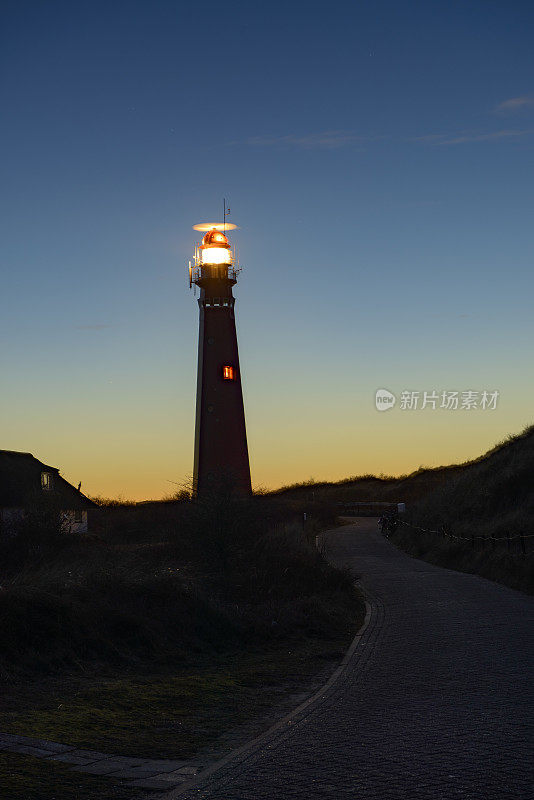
(378, 164)
(186, 487)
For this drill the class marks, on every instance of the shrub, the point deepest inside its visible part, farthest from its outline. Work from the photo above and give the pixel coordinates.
(163, 583)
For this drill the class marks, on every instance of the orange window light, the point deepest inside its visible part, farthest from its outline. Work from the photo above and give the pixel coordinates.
(228, 374)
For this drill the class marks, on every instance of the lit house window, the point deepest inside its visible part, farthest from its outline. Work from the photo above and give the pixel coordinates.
(46, 481)
(228, 374)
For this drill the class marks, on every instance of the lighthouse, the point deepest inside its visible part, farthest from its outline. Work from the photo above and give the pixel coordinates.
(221, 452)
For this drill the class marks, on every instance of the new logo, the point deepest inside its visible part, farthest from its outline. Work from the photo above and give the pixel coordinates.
(384, 400)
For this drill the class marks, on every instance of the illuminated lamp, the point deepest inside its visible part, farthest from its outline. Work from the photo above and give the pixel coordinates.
(215, 249)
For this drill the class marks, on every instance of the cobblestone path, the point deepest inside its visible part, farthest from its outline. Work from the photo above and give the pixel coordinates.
(143, 773)
(435, 703)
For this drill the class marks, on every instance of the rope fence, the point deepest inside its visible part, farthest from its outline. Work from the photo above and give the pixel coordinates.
(446, 534)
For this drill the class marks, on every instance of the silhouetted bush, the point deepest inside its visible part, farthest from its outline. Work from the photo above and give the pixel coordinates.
(160, 583)
(38, 534)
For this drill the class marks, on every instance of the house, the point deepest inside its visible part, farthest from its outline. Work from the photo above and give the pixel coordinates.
(26, 483)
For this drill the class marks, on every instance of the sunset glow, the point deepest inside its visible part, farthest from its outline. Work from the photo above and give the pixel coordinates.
(377, 128)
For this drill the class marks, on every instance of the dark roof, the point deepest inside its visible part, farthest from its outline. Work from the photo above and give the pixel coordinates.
(20, 483)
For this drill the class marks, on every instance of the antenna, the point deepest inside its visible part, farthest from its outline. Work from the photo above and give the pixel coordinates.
(224, 213)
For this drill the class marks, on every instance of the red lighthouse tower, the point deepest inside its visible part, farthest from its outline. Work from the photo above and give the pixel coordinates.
(221, 452)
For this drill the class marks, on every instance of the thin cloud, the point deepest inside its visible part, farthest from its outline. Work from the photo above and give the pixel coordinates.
(465, 138)
(431, 138)
(515, 104)
(333, 140)
(326, 140)
(91, 327)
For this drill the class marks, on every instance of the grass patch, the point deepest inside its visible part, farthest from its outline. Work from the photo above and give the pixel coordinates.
(28, 778)
(171, 716)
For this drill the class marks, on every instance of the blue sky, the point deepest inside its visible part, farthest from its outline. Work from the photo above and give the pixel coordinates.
(378, 159)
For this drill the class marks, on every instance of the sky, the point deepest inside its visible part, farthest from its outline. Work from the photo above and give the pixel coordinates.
(377, 157)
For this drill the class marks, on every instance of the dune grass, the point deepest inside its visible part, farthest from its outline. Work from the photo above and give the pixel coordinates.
(496, 564)
(491, 499)
(173, 715)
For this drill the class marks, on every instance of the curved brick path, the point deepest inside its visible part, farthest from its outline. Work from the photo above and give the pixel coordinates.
(436, 701)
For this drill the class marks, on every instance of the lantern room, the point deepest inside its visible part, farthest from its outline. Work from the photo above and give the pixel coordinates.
(214, 256)
(215, 248)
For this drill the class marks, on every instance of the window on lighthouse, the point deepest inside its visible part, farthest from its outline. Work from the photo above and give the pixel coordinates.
(228, 374)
